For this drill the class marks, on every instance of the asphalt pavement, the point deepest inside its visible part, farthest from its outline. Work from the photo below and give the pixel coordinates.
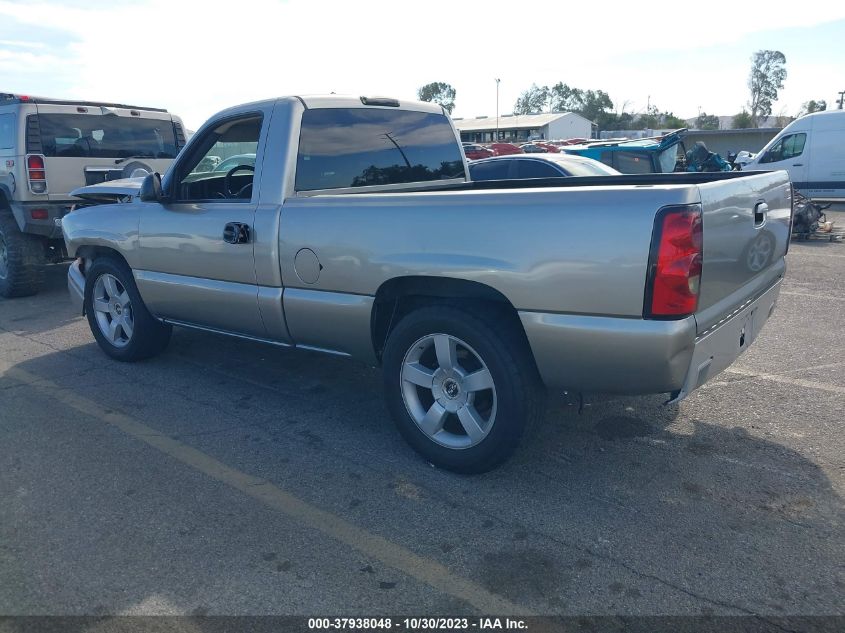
(226, 477)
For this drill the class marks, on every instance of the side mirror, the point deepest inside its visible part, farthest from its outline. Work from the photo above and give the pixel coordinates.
(151, 188)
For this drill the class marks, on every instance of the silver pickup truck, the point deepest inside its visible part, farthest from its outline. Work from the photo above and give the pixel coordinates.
(349, 226)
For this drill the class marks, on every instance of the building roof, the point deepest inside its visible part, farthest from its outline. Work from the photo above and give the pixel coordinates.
(511, 121)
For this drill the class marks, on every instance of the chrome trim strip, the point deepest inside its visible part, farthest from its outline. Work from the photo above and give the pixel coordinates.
(194, 326)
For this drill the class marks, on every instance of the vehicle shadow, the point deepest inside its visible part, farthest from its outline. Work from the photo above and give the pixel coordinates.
(27, 314)
(627, 507)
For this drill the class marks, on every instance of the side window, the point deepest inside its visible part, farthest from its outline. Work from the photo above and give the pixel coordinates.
(789, 146)
(633, 162)
(536, 169)
(793, 145)
(223, 165)
(7, 131)
(493, 170)
(607, 159)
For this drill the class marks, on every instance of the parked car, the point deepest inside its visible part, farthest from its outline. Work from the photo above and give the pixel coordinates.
(537, 166)
(335, 243)
(474, 152)
(810, 149)
(504, 149)
(638, 156)
(549, 147)
(533, 148)
(49, 147)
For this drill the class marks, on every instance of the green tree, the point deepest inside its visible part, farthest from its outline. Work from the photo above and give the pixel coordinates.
(533, 101)
(768, 70)
(808, 107)
(440, 93)
(566, 99)
(597, 105)
(670, 121)
(707, 122)
(742, 120)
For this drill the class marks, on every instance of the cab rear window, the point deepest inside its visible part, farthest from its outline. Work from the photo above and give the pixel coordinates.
(101, 136)
(359, 147)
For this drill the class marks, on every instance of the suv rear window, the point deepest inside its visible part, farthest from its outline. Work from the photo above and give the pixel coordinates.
(7, 131)
(358, 147)
(105, 136)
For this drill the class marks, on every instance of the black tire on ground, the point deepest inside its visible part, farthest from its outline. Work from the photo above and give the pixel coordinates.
(21, 259)
(500, 344)
(149, 336)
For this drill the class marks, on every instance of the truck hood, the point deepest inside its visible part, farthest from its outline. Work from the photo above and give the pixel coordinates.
(110, 191)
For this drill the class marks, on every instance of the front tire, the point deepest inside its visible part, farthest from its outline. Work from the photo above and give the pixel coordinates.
(461, 386)
(120, 322)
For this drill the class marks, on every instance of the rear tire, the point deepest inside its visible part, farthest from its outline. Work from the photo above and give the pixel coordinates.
(21, 259)
(120, 322)
(461, 386)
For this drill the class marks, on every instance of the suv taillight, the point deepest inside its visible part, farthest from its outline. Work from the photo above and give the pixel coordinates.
(36, 173)
(674, 271)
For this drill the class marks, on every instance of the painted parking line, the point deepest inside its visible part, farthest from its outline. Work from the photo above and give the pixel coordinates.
(803, 252)
(811, 296)
(787, 380)
(377, 547)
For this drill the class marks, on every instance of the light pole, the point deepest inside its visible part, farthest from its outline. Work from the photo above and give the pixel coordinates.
(497, 109)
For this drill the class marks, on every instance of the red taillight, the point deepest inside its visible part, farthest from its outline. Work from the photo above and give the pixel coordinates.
(36, 173)
(675, 263)
(39, 214)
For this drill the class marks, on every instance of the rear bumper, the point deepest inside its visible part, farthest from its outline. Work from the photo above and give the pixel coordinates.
(51, 226)
(717, 349)
(76, 287)
(636, 356)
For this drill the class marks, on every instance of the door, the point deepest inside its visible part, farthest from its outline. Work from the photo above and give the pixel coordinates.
(788, 153)
(196, 248)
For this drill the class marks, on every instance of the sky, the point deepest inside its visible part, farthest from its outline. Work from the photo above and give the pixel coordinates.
(197, 57)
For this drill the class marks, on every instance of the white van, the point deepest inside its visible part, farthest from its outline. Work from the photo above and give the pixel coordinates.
(812, 150)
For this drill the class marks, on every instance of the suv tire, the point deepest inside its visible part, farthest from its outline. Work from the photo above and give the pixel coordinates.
(21, 259)
(119, 320)
(461, 386)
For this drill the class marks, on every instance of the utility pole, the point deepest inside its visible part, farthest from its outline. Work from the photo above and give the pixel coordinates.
(497, 110)
(841, 96)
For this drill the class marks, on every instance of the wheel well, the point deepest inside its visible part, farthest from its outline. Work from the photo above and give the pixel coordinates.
(397, 297)
(90, 253)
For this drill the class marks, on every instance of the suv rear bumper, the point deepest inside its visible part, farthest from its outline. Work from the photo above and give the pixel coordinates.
(636, 356)
(51, 227)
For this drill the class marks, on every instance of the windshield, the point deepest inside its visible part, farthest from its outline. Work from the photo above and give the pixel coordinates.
(105, 136)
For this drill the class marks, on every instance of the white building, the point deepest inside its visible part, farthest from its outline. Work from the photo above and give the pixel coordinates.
(525, 127)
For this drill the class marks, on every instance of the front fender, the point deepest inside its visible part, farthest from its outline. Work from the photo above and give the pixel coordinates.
(111, 226)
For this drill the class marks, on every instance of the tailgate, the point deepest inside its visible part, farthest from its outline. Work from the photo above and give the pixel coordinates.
(746, 224)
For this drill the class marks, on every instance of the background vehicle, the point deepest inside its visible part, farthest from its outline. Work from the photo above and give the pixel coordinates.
(638, 156)
(234, 161)
(812, 150)
(504, 149)
(49, 147)
(533, 148)
(537, 166)
(369, 242)
(474, 152)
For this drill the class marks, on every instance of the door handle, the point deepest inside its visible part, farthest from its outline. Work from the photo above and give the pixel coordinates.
(236, 233)
(797, 164)
(760, 211)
